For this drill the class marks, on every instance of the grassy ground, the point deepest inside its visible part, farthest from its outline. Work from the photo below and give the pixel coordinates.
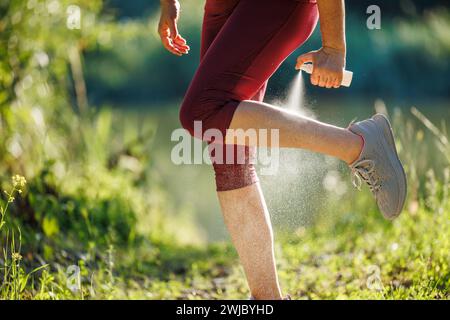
(404, 260)
(361, 258)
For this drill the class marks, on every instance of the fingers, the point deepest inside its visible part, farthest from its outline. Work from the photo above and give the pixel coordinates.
(304, 58)
(338, 80)
(318, 77)
(180, 39)
(315, 77)
(174, 44)
(180, 43)
(168, 44)
(323, 80)
(326, 79)
(335, 80)
(336, 83)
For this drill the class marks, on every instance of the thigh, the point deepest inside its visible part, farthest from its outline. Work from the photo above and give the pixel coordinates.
(216, 13)
(254, 40)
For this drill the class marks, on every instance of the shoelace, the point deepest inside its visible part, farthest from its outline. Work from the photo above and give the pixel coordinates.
(365, 170)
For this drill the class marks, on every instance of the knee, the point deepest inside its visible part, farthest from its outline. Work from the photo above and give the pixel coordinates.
(237, 173)
(207, 111)
(234, 176)
(195, 117)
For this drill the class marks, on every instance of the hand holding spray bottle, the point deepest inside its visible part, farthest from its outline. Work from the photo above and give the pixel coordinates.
(346, 79)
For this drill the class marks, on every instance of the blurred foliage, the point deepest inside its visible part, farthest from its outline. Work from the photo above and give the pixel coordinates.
(88, 185)
(407, 59)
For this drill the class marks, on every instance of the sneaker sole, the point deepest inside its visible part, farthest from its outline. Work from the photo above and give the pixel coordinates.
(383, 122)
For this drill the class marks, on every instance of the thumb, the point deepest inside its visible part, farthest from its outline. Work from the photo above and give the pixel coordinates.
(173, 29)
(306, 57)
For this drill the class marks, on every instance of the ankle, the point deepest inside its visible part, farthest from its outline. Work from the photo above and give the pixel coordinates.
(356, 148)
(266, 296)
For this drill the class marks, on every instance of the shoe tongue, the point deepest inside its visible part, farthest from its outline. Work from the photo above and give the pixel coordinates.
(354, 127)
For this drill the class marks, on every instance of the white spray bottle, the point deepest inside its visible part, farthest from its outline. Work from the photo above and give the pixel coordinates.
(346, 79)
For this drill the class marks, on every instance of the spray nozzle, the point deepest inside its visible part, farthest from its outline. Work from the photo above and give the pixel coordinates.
(346, 80)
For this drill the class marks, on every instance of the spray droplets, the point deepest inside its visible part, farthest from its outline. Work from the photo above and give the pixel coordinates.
(294, 194)
(295, 101)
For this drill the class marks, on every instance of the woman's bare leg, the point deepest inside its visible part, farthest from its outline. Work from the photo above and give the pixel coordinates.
(248, 222)
(296, 131)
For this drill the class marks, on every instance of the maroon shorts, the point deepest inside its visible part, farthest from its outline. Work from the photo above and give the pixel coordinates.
(243, 44)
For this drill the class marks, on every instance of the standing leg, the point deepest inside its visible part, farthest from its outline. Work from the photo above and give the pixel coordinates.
(244, 209)
(248, 221)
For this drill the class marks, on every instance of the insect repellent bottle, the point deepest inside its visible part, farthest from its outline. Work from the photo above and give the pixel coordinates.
(346, 79)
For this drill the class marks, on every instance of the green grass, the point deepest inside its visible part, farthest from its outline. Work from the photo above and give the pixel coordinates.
(411, 256)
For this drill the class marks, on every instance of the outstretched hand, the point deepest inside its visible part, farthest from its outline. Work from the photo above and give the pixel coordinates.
(328, 66)
(167, 28)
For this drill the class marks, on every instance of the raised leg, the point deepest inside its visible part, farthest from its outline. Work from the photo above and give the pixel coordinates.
(295, 131)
